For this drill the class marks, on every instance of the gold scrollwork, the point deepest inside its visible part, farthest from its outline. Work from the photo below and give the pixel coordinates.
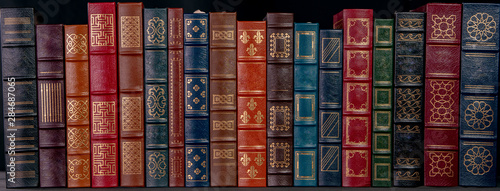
(156, 30)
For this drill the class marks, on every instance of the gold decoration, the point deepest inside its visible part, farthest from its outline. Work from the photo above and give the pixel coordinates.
(156, 102)
(197, 171)
(244, 37)
(259, 160)
(223, 99)
(222, 35)
(130, 31)
(407, 129)
(79, 169)
(359, 58)
(252, 172)
(103, 117)
(441, 163)
(78, 110)
(76, 44)
(330, 48)
(361, 92)
(410, 37)
(223, 154)
(274, 149)
(411, 23)
(478, 160)
(175, 31)
(104, 159)
(131, 158)
(223, 125)
(407, 175)
(157, 165)
(196, 158)
(280, 118)
(443, 27)
(330, 124)
(408, 162)
(258, 38)
(481, 27)
(479, 115)
(251, 104)
(408, 104)
(362, 154)
(413, 79)
(51, 102)
(259, 117)
(156, 30)
(442, 101)
(78, 138)
(251, 50)
(279, 45)
(245, 160)
(359, 26)
(330, 158)
(131, 113)
(245, 117)
(196, 28)
(102, 30)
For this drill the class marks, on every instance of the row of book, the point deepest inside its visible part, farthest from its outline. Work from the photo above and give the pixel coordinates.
(157, 98)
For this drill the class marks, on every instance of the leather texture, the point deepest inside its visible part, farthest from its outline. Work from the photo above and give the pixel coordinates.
(357, 95)
(223, 120)
(19, 72)
(330, 107)
(103, 94)
(280, 41)
(306, 104)
(408, 112)
(176, 93)
(196, 82)
(156, 96)
(479, 95)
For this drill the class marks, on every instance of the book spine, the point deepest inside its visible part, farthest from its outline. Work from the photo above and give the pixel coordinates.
(103, 94)
(330, 108)
(479, 95)
(176, 95)
(197, 121)
(131, 94)
(77, 104)
(383, 66)
(51, 123)
(19, 80)
(306, 104)
(279, 99)
(156, 97)
(251, 87)
(223, 162)
(357, 95)
(408, 155)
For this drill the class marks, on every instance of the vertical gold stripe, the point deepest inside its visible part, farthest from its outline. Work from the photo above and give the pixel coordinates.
(51, 94)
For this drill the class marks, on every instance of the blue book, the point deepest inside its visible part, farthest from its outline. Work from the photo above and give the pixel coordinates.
(306, 104)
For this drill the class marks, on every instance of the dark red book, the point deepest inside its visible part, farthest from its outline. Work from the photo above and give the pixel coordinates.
(251, 112)
(442, 91)
(103, 94)
(357, 97)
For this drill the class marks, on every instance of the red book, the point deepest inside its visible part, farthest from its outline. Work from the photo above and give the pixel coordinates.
(103, 94)
(357, 97)
(176, 92)
(442, 73)
(251, 110)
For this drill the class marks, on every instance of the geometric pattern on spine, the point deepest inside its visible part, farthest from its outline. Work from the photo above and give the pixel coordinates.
(361, 26)
(156, 30)
(130, 31)
(79, 169)
(441, 101)
(330, 121)
(156, 102)
(478, 160)
(196, 162)
(78, 138)
(274, 149)
(279, 118)
(101, 30)
(479, 115)
(441, 163)
(408, 104)
(78, 110)
(103, 159)
(279, 45)
(481, 27)
(443, 27)
(131, 113)
(157, 165)
(330, 158)
(76, 44)
(361, 170)
(50, 106)
(103, 117)
(131, 157)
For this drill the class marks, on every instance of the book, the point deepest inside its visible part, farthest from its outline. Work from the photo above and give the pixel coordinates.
(19, 81)
(305, 91)
(223, 161)
(442, 72)
(156, 96)
(131, 94)
(279, 99)
(479, 95)
(383, 64)
(176, 93)
(196, 84)
(330, 107)
(251, 91)
(357, 95)
(408, 152)
(77, 104)
(103, 94)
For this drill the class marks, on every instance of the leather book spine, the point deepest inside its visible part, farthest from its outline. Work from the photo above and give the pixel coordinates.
(357, 95)
(408, 152)
(306, 104)
(383, 66)
(131, 93)
(223, 161)
(197, 121)
(176, 95)
(19, 81)
(479, 95)
(279, 85)
(103, 94)
(156, 96)
(330, 108)
(77, 105)
(442, 73)
(251, 87)
(51, 123)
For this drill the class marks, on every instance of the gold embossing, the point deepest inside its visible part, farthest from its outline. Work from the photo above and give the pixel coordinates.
(481, 27)
(156, 30)
(279, 118)
(298, 174)
(222, 35)
(377, 29)
(258, 38)
(441, 101)
(131, 113)
(130, 31)
(104, 159)
(478, 160)
(223, 125)
(157, 165)
(79, 169)
(175, 31)
(362, 131)
(259, 160)
(131, 157)
(410, 37)
(441, 163)
(407, 129)
(362, 154)
(479, 115)
(279, 45)
(176, 164)
(359, 90)
(51, 106)
(330, 158)
(330, 48)
(78, 110)
(78, 138)
(407, 175)
(245, 160)
(251, 50)
(330, 124)
(102, 30)
(245, 117)
(223, 99)
(409, 78)
(156, 102)
(201, 26)
(443, 27)
(408, 162)
(76, 43)
(103, 117)
(244, 37)
(411, 23)
(358, 63)
(17, 21)
(259, 117)
(223, 154)
(306, 98)
(360, 26)
(279, 148)
(312, 46)
(408, 104)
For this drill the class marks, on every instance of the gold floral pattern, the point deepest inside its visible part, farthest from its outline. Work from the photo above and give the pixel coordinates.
(443, 27)
(481, 27)
(479, 115)
(478, 160)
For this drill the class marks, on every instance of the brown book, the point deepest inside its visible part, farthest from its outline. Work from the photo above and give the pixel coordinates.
(131, 95)
(223, 162)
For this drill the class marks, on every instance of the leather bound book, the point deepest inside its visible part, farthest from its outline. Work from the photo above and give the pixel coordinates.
(197, 121)
(306, 104)
(279, 99)
(383, 64)
(131, 95)
(52, 132)
(408, 155)
(103, 94)
(77, 105)
(176, 95)
(20, 110)
(479, 95)
(223, 161)
(357, 95)
(442, 72)
(156, 97)
(330, 108)
(251, 86)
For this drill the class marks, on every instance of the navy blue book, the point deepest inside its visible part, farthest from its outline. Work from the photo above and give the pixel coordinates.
(306, 104)
(330, 108)
(479, 94)
(156, 96)
(197, 124)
